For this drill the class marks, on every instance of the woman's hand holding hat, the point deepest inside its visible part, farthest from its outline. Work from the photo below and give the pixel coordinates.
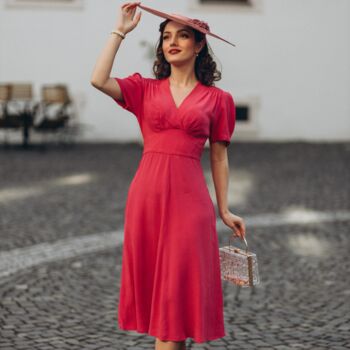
(126, 20)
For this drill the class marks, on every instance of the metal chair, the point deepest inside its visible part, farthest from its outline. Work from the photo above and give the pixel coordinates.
(17, 108)
(57, 116)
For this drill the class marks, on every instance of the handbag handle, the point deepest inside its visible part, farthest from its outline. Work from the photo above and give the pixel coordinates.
(245, 242)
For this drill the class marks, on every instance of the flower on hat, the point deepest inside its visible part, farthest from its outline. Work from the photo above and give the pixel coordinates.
(200, 23)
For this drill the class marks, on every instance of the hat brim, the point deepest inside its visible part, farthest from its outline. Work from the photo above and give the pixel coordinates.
(182, 20)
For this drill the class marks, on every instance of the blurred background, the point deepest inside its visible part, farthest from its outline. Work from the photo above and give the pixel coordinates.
(289, 73)
(68, 154)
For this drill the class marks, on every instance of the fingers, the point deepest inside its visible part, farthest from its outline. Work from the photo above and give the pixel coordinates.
(126, 4)
(130, 4)
(239, 229)
(130, 8)
(236, 233)
(138, 16)
(241, 226)
(239, 235)
(237, 224)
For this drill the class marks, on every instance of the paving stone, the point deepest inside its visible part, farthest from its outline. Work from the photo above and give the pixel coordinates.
(71, 303)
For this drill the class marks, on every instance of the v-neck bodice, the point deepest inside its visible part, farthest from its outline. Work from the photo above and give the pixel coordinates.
(185, 98)
(205, 112)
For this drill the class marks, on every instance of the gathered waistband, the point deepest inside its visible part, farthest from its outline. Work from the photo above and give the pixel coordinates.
(172, 154)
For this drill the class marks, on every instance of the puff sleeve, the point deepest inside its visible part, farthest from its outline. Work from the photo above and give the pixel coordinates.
(224, 119)
(132, 88)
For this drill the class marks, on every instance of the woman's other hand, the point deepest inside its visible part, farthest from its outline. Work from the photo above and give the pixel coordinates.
(235, 222)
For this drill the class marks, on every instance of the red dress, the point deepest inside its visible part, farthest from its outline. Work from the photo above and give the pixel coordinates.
(170, 278)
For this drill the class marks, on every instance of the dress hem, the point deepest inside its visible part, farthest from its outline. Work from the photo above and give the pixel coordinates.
(183, 338)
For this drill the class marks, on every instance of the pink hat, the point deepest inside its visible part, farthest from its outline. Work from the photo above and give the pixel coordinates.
(194, 23)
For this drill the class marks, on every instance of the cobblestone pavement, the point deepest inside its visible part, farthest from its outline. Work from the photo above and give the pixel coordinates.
(61, 221)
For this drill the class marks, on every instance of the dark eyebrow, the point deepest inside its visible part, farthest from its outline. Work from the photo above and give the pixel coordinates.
(180, 30)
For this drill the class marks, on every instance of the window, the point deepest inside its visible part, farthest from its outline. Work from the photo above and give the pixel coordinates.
(247, 109)
(240, 2)
(242, 113)
(225, 6)
(74, 4)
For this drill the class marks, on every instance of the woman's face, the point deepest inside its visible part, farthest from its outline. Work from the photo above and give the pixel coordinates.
(179, 37)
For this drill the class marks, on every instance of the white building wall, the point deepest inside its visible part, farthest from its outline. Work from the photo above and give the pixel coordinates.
(291, 62)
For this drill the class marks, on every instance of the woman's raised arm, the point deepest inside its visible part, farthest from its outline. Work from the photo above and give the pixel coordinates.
(100, 78)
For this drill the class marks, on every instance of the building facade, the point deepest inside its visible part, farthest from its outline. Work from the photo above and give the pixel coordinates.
(289, 73)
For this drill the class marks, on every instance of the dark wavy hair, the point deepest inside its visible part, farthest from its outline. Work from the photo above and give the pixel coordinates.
(205, 67)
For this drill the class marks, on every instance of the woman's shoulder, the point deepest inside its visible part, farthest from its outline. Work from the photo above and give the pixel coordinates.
(217, 92)
(148, 81)
(143, 76)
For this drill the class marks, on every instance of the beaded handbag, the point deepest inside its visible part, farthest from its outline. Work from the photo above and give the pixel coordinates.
(238, 266)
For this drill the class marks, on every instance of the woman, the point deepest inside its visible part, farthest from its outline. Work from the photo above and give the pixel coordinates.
(170, 280)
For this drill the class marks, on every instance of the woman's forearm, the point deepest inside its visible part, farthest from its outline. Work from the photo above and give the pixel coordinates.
(220, 173)
(104, 64)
